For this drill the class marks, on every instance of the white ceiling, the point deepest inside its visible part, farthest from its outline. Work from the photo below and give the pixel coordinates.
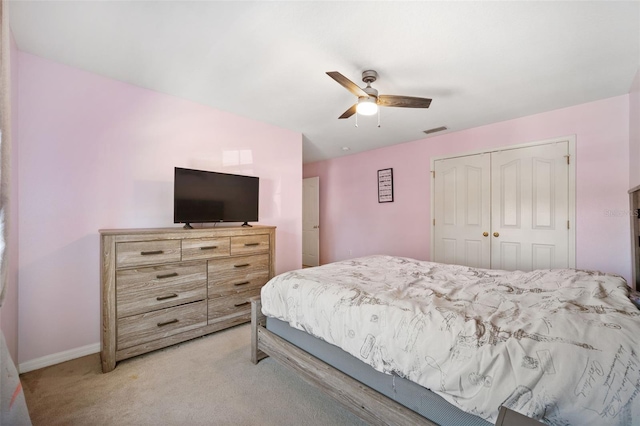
(480, 62)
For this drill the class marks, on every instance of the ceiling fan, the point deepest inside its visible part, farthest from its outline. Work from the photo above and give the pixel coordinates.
(368, 98)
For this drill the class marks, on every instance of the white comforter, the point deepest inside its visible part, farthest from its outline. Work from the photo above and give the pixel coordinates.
(562, 346)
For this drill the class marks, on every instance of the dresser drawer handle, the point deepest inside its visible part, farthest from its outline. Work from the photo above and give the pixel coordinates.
(209, 248)
(170, 296)
(173, 274)
(173, 321)
(251, 244)
(147, 253)
(242, 265)
(243, 283)
(237, 305)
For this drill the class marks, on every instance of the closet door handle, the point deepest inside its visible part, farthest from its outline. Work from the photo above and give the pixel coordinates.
(496, 234)
(485, 234)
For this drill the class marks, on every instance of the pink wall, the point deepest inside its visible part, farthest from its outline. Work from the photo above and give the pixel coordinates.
(352, 223)
(97, 153)
(9, 312)
(634, 132)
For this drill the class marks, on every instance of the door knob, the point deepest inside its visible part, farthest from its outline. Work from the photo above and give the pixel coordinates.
(485, 234)
(495, 234)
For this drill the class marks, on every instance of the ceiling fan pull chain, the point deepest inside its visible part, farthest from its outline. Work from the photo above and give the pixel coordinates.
(356, 120)
(378, 117)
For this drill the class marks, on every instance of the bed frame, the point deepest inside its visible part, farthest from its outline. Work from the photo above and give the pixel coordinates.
(366, 403)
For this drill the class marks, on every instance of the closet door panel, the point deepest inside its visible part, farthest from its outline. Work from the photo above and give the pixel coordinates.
(543, 256)
(510, 255)
(449, 251)
(462, 210)
(509, 202)
(530, 205)
(450, 196)
(543, 199)
(474, 252)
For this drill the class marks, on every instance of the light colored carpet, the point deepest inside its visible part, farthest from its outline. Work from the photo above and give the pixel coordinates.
(206, 381)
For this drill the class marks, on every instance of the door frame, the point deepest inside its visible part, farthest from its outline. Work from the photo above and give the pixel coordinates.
(317, 214)
(571, 139)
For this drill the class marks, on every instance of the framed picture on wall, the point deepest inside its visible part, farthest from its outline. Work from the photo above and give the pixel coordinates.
(385, 186)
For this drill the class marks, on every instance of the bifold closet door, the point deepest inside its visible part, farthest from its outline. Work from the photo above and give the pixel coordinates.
(462, 202)
(530, 208)
(503, 210)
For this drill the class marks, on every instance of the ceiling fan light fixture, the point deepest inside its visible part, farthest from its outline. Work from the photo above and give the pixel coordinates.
(367, 105)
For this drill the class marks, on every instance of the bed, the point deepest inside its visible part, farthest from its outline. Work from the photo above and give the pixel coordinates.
(429, 343)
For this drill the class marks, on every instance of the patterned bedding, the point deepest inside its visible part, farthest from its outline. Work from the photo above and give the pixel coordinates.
(561, 346)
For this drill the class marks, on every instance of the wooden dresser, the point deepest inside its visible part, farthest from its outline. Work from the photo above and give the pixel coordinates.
(164, 286)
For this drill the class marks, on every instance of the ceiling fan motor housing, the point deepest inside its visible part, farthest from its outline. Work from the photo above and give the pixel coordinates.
(369, 76)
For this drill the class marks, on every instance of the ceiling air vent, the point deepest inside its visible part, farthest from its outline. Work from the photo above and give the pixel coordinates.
(435, 129)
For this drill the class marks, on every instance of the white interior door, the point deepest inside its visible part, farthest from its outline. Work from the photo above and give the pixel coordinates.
(463, 211)
(530, 208)
(311, 221)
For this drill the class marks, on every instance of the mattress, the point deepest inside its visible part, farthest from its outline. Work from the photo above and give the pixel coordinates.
(403, 391)
(560, 346)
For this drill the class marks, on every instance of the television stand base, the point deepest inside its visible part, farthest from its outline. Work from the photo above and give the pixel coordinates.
(247, 224)
(187, 226)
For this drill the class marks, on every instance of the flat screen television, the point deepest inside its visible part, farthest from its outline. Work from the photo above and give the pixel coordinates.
(200, 196)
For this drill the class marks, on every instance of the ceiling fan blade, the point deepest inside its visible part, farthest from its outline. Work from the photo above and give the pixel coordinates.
(348, 113)
(403, 101)
(348, 84)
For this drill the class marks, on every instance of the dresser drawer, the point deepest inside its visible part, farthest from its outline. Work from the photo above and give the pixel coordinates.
(236, 274)
(147, 253)
(205, 248)
(223, 308)
(143, 328)
(140, 290)
(249, 244)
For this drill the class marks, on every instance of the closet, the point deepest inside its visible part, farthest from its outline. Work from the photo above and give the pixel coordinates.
(509, 209)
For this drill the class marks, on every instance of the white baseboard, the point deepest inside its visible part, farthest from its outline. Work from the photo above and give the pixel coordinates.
(57, 358)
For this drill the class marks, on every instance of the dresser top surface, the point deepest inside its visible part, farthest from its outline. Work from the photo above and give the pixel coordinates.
(186, 232)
